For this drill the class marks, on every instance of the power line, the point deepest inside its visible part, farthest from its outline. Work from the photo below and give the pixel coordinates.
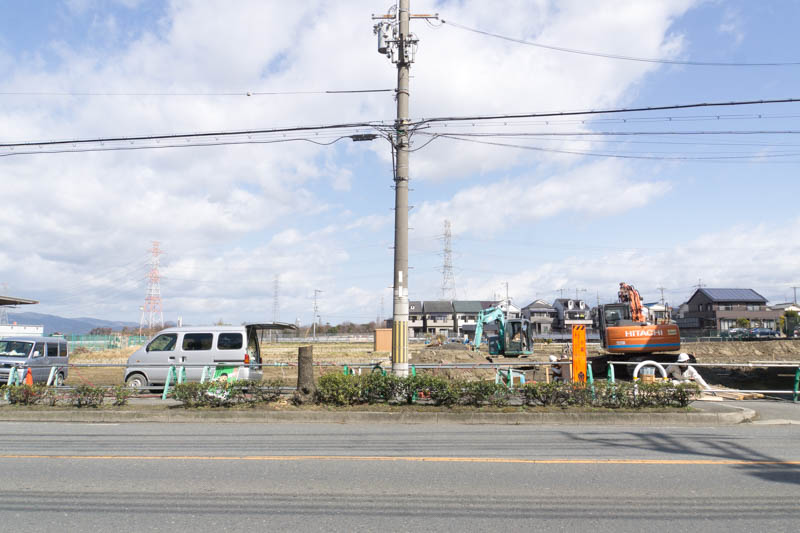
(718, 158)
(164, 93)
(509, 116)
(173, 136)
(623, 57)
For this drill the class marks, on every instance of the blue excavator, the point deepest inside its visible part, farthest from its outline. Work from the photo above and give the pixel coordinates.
(513, 338)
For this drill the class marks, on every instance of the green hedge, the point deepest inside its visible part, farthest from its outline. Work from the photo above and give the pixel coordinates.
(227, 394)
(339, 389)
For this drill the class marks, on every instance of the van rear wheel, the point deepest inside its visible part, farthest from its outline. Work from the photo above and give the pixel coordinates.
(136, 381)
(59, 381)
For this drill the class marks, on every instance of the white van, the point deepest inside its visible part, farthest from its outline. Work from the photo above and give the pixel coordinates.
(39, 354)
(197, 347)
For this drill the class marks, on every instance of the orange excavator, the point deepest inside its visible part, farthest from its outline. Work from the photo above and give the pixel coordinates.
(625, 329)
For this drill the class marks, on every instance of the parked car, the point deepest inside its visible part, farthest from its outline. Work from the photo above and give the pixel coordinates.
(763, 333)
(40, 354)
(197, 347)
(734, 333)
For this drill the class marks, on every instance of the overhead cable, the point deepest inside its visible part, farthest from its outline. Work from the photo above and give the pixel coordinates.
(622, 57)
(510, 116)
(211, 93)
(738, 158)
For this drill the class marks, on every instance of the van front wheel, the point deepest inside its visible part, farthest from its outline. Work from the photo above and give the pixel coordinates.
(136, 381)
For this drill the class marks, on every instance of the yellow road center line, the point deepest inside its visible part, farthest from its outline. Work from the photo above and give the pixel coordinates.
(368, 458)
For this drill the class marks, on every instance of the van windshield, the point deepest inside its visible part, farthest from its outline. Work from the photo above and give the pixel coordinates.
(15, 348)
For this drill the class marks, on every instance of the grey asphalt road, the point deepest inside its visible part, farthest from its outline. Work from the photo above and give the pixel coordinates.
(223, 477)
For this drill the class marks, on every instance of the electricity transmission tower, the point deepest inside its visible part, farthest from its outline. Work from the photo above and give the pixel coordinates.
(316, 313)
(448, 280)
(276, 306)
(152, 315)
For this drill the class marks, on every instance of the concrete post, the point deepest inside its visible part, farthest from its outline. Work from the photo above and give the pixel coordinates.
(305, 375)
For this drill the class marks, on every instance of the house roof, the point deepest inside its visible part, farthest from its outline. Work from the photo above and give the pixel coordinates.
(539, 304)
(732, 295)
(415, 306)
(438, 306)
(467, 306)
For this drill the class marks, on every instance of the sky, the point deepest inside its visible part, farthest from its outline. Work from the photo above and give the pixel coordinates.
(538, 207)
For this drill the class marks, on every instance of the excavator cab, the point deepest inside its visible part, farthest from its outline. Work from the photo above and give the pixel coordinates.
(518, 337)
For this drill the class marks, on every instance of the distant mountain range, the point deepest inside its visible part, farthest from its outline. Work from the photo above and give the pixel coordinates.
(58, 324)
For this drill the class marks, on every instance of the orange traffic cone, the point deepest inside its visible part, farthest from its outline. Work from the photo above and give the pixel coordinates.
(29, 377)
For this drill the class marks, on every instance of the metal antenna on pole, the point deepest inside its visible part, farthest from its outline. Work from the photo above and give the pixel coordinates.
(662, 289)
(400, 45)
(448, 280)
(795, 294)
(152, 300)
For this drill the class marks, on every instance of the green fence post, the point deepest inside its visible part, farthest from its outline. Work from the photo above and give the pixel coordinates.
(170, 377)
(181, 374)
(796, 383)
(52, 375)
(12, 380)
(345, 370)
(204, 376)
(611, 372)
(413, 374)
(590, 377)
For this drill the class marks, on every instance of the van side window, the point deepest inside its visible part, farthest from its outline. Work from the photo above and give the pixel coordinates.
(229, 341)
(197, 341)
(163, 343)
(52, 349)
(39, 348)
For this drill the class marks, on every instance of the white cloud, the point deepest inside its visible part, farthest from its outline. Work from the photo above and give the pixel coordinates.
(593, 189)
(221, 211)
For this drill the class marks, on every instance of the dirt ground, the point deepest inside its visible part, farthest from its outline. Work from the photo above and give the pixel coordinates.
(339, 353)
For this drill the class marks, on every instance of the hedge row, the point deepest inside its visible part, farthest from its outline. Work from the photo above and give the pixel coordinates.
(339, 389)
(80, 396)
(227, 394)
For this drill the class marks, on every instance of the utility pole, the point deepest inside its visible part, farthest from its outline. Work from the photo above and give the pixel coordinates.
(400, 45)
(314, 318)
(795, 294)
(662, 289)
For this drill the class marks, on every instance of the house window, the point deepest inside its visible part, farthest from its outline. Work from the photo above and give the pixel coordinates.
(726, 307)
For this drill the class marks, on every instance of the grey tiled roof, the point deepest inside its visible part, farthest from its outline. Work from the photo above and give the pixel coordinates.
(467, 306)
(438, 306)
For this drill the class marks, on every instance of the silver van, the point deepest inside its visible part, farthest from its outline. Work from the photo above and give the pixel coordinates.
(39, 354)
(196, 347)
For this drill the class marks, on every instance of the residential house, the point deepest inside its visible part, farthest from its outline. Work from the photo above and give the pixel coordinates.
(439, 317)
(511, 310)
(542, 316)
(416, 319)
(571, 313)
(466, 316)
(657, 312)
(719, 309)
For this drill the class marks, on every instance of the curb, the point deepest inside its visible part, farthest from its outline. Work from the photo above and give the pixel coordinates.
(738, 415)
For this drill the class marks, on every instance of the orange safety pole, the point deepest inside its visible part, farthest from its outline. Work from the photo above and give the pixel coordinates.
(579, 354)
